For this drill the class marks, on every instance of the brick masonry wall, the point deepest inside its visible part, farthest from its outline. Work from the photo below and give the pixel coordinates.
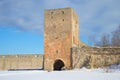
(58, 36)
(30, 61)
(102, 60)
(93, 57)
(84, 56)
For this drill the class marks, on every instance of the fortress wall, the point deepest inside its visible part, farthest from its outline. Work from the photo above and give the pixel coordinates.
(79, 56)
(103, 56)
(1, 63)
(101, 60)
(88, 57)
(95, 57)
(30, 61)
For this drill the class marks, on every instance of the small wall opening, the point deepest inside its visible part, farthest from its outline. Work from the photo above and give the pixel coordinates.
(52, 15)
(59, 65)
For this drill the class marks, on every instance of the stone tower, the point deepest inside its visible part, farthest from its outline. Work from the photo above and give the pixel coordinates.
(61, 34)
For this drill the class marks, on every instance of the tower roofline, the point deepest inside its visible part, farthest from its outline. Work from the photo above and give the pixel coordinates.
(60, 8)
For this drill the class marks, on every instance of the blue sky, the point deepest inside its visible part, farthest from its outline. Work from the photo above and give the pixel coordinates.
(22, 22)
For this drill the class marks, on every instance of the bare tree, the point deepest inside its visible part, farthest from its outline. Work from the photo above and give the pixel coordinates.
(98, 43)
(92, 39)
(115, 40)
(105, 40)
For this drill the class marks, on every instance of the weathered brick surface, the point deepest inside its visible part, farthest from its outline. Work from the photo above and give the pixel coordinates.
(61, 33)
(101, 60)
(94, 57)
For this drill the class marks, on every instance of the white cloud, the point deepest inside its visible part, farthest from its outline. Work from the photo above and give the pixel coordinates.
(96, 16)
(99, 14)
(24, 14)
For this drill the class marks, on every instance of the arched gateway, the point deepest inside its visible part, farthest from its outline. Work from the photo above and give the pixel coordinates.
(58, 64)
(61, 33)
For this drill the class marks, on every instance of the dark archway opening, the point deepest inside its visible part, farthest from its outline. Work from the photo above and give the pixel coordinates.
(58, 65)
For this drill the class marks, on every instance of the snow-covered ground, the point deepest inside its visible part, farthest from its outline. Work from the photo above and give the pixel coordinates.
(81, 74)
